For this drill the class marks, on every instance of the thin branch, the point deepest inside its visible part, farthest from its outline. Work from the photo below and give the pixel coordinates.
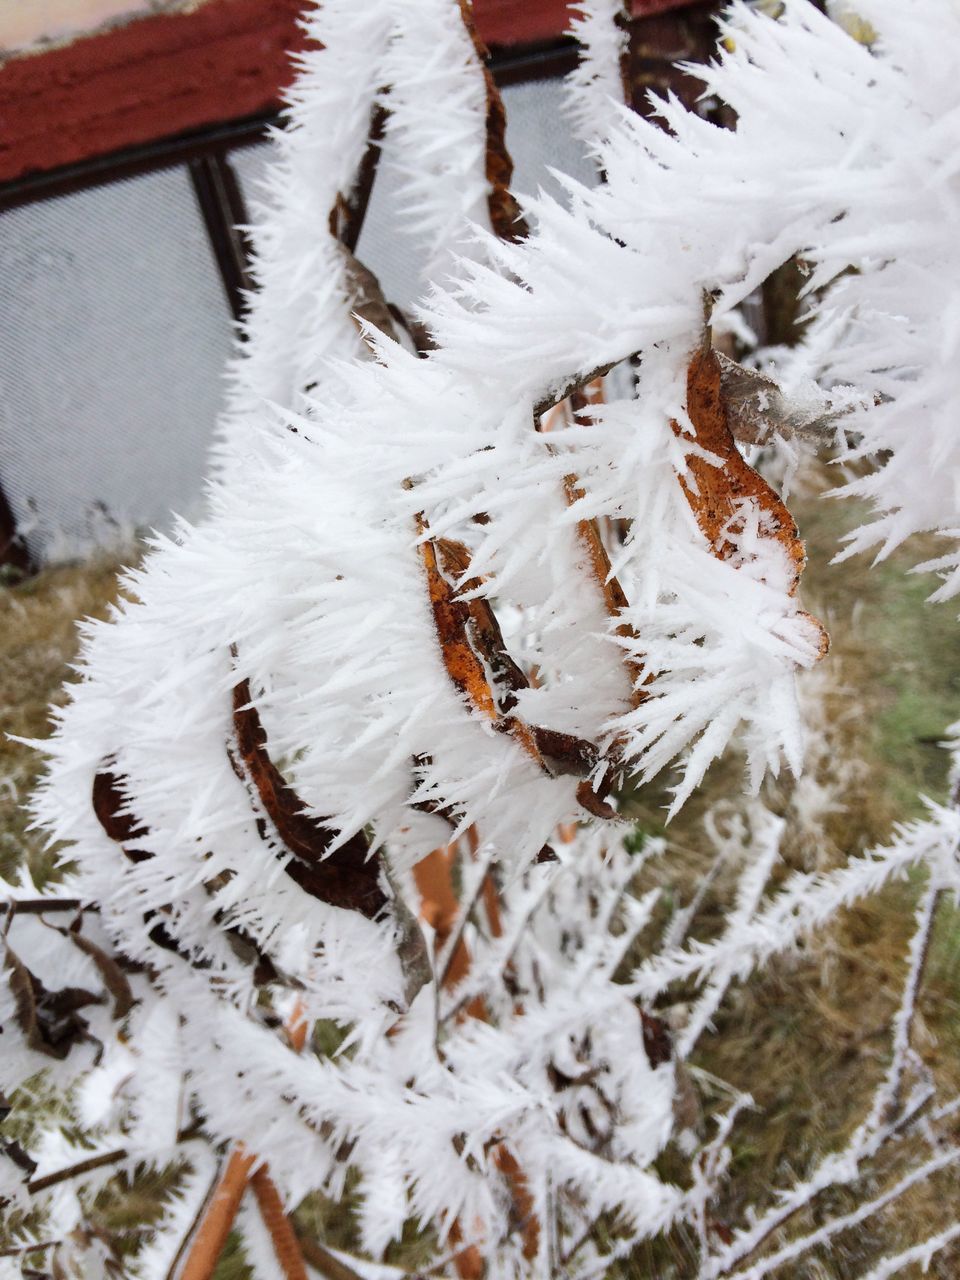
(753, 881)
(76, 1170)
(921, 1253)
(575, 384)
(906, 1014)
(844, 1223)
(712, 1163)
(886, 1119)
(19, 1250)
(323, 1260)
(94, 1162)
(675, 935)
(41, 906)
(805, 901)
(463, 916)
(348, 215)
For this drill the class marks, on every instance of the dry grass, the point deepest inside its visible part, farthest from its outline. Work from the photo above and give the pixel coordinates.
(809, 1037)
(38, 642)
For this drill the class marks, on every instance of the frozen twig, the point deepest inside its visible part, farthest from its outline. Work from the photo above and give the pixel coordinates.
(922, 1253)
(805, 902)
(767, 834)
(886, 1118)
(794, 1248)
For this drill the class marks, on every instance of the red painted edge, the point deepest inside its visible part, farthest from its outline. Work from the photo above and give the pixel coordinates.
(169, 74)
(512, 22)
(155, 77)
(647, 8)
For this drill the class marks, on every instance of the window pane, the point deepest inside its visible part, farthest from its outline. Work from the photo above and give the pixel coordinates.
(113, 334)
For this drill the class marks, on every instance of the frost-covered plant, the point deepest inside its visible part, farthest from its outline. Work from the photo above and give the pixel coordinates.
(344, 770)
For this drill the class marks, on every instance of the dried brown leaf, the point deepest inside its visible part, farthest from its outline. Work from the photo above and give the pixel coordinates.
(451, 617)
(366, 299)
(109, 802)
(483, 628)
(715, 492)
(110, 805)
(113, 976)
(582, 396)
(565, 753)
(594, 803)
(114, 979)
(346, 878)
(657, 1041)
(480, 667)
(48, 1019)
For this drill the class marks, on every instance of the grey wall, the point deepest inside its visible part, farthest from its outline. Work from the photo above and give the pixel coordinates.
(114, 331)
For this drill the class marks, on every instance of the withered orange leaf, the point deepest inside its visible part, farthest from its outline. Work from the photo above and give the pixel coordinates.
(522, 1204)
(475, 655)
(451, 617)
(715, 493)
(440, 908)
(613, 594)
(346, 878)
(582, 396)
(484, 629)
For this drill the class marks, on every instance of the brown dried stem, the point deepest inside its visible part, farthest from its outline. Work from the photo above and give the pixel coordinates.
(211, 1236)
(94, 1162)
(41, 906)
(505, 217)
(284, 1239)
(220, 1212)
(324, 1261)
(348, 213)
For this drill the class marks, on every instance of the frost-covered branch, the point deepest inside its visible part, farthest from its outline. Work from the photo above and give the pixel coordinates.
(922, 1253)
(808, 900)
(794, 1248)
(887, 1116)
(767, 833)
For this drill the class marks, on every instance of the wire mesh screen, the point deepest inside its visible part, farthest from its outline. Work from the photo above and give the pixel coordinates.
(113, 335)
(114, 331)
